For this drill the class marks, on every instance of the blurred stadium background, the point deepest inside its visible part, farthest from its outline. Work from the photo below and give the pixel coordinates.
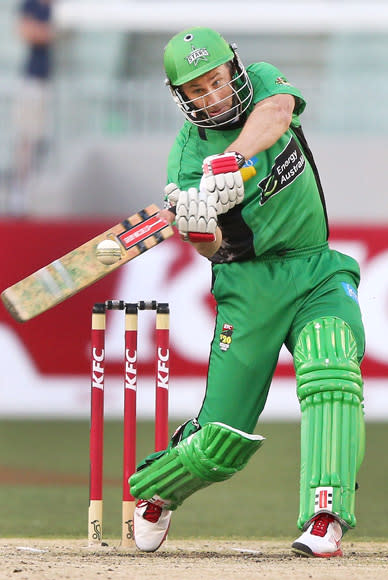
(113, 119)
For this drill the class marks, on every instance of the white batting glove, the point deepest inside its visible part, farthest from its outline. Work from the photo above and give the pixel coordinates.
(222, 177)
(196, 215)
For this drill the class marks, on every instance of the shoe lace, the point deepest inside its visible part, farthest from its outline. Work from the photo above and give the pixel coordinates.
(321, 524)
(152, 511)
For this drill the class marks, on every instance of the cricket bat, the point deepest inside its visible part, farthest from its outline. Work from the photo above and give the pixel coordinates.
(81, 267)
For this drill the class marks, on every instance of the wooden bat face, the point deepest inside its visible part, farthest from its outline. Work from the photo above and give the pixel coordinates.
(80, 268)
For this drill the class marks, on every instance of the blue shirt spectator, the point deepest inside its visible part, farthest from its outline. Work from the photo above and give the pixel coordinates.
(35, 23)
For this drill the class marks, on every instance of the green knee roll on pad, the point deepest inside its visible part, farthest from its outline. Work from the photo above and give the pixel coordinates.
(329, 387)
(213, 454)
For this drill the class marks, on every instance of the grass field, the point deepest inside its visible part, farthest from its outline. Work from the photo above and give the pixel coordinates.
(44, 485)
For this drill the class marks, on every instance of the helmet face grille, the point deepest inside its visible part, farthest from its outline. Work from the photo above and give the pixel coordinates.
(240, 90)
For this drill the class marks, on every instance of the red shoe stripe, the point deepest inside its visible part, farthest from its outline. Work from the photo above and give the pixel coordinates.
(328, 554)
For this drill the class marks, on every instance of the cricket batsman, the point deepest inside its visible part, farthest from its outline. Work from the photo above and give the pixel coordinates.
(275, 280)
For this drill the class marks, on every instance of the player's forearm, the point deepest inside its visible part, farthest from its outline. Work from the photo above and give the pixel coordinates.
(268, 121)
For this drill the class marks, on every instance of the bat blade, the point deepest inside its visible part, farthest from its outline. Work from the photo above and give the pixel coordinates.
(80, 268)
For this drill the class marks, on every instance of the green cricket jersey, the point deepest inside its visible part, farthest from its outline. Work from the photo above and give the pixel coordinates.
(283, 207)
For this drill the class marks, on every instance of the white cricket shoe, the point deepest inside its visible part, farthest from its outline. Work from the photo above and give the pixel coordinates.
(150, 525)
(322, 539)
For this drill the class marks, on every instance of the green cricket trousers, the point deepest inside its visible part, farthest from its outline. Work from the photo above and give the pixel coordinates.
(262, 304)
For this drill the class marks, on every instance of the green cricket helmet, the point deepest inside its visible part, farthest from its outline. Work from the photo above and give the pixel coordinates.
(191, 54)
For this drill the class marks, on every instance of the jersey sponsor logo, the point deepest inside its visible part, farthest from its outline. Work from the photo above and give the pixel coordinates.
(226, 337)
(288, 165)
(350, 291)
(196, 55)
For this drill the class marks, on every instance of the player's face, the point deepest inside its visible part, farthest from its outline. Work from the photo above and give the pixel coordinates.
(212, 92)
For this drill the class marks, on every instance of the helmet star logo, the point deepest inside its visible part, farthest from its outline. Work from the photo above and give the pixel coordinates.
(196, 55)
